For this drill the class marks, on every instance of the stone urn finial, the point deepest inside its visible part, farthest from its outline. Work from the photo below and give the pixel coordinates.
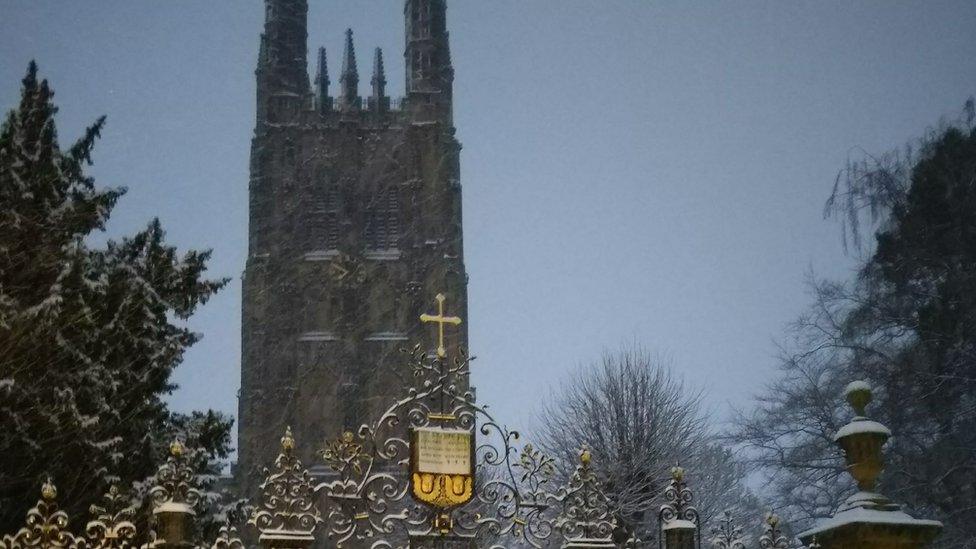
(862, 439)
(858, 395)
(867, 519)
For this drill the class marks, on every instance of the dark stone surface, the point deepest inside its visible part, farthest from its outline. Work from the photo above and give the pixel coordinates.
(355, 226)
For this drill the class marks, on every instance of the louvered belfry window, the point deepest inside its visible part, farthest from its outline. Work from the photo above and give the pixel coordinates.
(323, 219)
(383, 222)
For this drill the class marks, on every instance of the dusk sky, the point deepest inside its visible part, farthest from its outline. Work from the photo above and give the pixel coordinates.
(632, 170)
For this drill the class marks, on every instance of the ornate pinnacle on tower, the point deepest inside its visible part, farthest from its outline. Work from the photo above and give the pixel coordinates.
(282, 70)
(379, 101)
(379, 74)
(322, 99)
(349, 81)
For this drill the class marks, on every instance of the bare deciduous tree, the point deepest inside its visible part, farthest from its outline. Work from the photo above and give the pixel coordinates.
(638, 421)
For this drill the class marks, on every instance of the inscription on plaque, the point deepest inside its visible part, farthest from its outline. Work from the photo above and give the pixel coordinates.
(443, 451)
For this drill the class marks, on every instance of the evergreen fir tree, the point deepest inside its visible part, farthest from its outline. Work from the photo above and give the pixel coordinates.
(89, 337)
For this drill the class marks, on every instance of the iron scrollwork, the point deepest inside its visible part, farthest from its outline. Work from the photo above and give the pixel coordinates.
(727, 535)
(228, 538)
(508, 499)
(288, 511)
(586, 512)
(112, 526)
(175, 480)
(46, 526)
(514, 501)
(678, 516)
(773, 537)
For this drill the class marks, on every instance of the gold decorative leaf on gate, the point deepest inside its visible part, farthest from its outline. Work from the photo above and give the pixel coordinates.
(443, 491)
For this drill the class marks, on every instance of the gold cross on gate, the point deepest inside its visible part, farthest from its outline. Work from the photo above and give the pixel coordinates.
(441, 320)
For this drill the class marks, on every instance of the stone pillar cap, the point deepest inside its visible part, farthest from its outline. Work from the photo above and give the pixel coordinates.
(679, 524)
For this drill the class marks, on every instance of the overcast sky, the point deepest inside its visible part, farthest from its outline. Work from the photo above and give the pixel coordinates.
(633, 170)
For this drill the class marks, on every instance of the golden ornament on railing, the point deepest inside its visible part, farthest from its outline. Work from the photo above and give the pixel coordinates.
(112, 525)
(228, 538)
(176, 448)
(174, 496)
(677, 473)
(287, 515)
(678, 519)
(346, 456)
(585, 518)
(175, 480)
(772, 537)
(442, 457)
(46, 526)
(288, 442)
(48, 491)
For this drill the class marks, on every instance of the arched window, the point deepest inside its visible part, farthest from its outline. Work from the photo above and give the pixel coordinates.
(383, 222)
(323, 219)
(417, 67)
(289, 144)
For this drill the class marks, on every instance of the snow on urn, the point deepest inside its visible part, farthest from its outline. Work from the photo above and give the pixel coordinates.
(867, 519)
(862, 439)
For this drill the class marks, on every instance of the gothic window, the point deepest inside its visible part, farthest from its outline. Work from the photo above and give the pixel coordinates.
(351, 403)
(417, 71)
(289, 149)
(316, 311)
(323, 219)
(383, 222)
(381, 309)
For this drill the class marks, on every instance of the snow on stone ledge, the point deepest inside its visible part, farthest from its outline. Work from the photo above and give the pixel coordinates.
(862, 426)
(867, 516)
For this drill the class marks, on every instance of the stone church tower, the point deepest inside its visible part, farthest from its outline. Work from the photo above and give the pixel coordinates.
(355, 226)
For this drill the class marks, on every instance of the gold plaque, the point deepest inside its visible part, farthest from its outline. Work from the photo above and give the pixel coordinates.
(442, 466)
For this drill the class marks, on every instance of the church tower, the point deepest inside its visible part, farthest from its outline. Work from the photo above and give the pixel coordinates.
(355, 226)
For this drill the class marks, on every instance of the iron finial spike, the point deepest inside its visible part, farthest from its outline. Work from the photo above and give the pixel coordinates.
(48, 490)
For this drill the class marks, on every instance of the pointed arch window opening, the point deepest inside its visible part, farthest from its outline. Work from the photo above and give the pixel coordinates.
(290, 154)
(417, 70)
(324, 219)
(383, 222)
